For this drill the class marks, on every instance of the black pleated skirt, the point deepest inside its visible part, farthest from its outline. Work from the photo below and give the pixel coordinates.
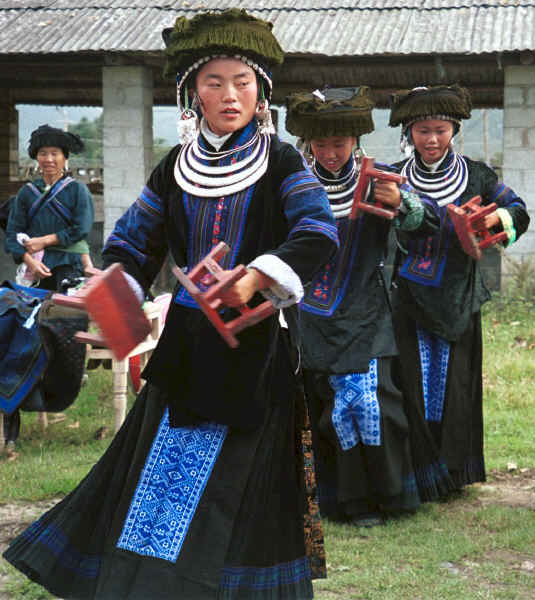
(447, 452)
(366, 478)
(250, 533)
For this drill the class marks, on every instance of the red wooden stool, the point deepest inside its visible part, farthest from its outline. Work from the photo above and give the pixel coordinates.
(468, 223)
(113, 306)
(366, 172)
(213, 281)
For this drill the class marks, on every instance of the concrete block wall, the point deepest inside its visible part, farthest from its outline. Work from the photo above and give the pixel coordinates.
(519, 148)
(127, 144)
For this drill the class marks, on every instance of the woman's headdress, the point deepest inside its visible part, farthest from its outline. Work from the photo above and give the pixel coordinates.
(409, 106)
(443, 102)
(344, 112)
(231, 33)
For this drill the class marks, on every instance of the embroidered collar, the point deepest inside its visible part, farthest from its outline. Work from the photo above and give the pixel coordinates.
(445, 184)
(239, 163)
(433, 167)
(339, 189)
(213, 139)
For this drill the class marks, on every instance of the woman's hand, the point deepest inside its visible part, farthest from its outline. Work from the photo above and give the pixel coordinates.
(87, 263)
(487, 222)
(36, 266)
(39, 243)
(244, 289)
(387, 192)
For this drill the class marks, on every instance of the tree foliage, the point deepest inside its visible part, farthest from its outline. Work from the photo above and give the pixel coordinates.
(91, 133)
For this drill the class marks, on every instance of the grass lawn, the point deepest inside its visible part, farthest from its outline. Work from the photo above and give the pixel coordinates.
(478, 545)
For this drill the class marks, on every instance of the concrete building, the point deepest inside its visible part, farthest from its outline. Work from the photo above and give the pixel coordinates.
(110, 54)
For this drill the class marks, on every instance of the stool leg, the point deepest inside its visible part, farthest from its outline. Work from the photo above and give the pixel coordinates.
(42, 418)
(2, 436)
(120, 383)
(144, 359)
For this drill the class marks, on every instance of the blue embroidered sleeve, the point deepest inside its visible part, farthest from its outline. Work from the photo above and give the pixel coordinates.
(138, 239)
(511, 210)
(306, 205)
(312, 231)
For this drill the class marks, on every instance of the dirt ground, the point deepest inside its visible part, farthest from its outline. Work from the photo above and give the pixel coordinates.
(14, 518)
(515, 488)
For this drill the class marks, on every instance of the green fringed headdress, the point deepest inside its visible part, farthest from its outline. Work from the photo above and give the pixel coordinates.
(234, 33)
(344, 112)
(447, 102)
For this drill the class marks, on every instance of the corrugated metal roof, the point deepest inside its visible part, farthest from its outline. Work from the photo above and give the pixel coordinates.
(327, 27)
(298, 5)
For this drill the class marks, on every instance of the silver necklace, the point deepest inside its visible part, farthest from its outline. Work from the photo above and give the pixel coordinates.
(212, 181)
(339, 189)
(445, 188)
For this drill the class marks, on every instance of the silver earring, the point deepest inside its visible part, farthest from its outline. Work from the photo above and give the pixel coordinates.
(263, 116)
(405, 146)
(187, 126)
(188, 121)
(307, 153)
(359, 153)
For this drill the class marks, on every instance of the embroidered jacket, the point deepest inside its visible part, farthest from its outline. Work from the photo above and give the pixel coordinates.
(439, 285)
(345, 316)
(285, 215)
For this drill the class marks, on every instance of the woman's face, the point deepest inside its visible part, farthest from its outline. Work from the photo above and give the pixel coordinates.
(51, 161)
(431, 138)
(332, 153)
(228, 93)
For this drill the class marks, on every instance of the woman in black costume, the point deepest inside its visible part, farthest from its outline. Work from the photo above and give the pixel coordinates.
(439, 290)
(201, 492)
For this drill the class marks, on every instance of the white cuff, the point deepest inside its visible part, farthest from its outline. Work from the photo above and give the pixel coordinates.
(288, 288)
(508, 225)
(134, 285)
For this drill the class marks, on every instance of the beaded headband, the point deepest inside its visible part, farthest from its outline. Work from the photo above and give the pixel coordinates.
(182, 78)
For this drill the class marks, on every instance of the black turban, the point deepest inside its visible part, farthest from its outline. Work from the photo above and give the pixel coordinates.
(51, 136)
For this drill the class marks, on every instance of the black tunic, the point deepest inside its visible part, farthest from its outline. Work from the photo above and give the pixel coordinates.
(445, 308)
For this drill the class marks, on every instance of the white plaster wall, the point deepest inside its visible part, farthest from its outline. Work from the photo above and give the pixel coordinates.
(127, 98)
